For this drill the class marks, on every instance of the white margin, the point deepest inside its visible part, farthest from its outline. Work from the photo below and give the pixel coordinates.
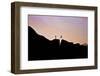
(25, 64)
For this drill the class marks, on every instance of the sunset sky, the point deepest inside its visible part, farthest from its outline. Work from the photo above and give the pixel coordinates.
(72, 29)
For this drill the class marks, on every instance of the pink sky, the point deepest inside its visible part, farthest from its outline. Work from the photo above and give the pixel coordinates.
(73, 29)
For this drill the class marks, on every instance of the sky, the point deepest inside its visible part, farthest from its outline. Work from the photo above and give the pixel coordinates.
(71, 28)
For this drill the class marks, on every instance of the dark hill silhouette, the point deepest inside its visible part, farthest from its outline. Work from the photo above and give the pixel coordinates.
(40, 48)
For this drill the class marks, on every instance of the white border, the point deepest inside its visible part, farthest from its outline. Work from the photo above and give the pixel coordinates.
(25, 64)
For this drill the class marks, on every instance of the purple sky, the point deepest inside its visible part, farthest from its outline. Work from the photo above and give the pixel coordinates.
(73, 29)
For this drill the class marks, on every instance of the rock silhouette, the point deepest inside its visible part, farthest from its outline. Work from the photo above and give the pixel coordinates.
(40, 48)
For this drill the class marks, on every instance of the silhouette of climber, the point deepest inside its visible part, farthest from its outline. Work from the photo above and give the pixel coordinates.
(60, 39)
(55, 37)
